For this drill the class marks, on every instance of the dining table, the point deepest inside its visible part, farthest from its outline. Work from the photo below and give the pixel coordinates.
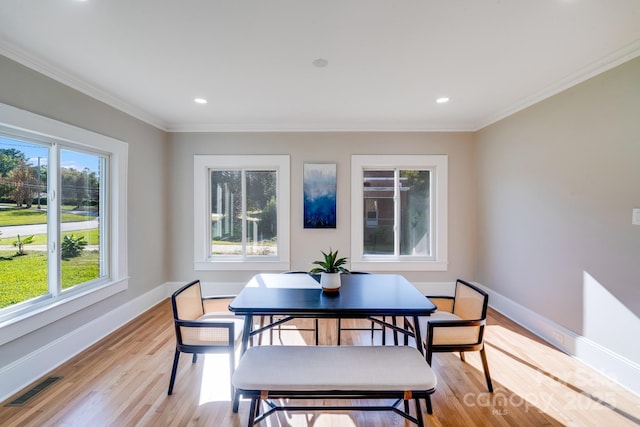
(366, 296)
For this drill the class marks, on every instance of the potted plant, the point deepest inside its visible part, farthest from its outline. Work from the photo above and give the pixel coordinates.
(330, 268)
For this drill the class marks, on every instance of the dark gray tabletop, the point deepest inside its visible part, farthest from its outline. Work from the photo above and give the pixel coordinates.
(361, 295)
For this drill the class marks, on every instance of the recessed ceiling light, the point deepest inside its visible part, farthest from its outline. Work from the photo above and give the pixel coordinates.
(320, 63)
(442, 100)
(200, 101)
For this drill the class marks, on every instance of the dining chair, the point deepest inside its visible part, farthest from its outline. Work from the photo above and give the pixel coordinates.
(200, 331)
(458, 325)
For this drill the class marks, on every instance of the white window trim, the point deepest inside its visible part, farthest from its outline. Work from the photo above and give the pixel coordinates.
(201, 230)
(19, 323)
(439, 165)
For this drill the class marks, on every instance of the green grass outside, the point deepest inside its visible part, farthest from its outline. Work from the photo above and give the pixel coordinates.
(23, 216)
(25, 277)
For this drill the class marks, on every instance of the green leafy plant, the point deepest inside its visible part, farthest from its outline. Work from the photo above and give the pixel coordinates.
(20, 244)
(330, 264)
(72, 246)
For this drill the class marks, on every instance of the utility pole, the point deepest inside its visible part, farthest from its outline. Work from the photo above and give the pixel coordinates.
(39, 183)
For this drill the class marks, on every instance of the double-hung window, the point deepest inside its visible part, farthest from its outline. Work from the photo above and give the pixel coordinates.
(62, 219)
(399, 212)
(241, 212)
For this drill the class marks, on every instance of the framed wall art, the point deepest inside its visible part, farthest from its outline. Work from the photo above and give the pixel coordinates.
(319, 188)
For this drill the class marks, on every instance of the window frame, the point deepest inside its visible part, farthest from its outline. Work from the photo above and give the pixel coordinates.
(29, 317)
(203, 261)
(438, 165)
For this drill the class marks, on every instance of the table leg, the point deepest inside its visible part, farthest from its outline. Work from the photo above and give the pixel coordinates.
(246, 332)
(418, 337)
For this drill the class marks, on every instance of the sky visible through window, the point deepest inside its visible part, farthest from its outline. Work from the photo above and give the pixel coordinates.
(69, 159)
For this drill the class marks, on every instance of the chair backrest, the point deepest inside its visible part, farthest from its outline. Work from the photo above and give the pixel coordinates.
(470, 302)
(187, 302)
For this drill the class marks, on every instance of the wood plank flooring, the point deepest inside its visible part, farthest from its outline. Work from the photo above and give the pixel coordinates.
(122, 381)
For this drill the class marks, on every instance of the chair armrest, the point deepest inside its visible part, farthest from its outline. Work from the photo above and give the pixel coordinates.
(454, 323)
(443, 303)
(209, 333)
(472, 330)
(217, 304)
(221, 323)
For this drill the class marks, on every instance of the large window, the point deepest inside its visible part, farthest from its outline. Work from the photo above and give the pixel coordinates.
(62, 217)
(241, 212)
(399, 209)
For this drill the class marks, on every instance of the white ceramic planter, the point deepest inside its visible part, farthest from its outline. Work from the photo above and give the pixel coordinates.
(330, 282)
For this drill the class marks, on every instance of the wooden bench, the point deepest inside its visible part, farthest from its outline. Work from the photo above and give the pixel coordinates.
(334, 372)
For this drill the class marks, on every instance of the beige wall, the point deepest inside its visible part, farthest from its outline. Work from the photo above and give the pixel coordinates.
(556, 186)
(26, 89)
(323, 147)
(539, 203)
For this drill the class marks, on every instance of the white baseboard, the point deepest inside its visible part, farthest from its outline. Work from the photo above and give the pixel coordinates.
(613, 366)
(29, 368)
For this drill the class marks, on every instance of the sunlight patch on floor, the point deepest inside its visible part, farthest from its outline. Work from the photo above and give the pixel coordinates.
(216, 377)
(554, 388)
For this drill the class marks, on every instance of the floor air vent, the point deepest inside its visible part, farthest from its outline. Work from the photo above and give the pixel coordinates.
(33, 392)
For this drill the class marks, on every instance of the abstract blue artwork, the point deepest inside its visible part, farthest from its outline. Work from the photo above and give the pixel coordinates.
(319, 183)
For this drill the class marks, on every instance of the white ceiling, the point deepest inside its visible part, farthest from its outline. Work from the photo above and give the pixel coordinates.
(388, 60)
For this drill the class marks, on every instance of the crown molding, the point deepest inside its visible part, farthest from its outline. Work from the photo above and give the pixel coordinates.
(314, 127)
(619, 57)
(20, 56)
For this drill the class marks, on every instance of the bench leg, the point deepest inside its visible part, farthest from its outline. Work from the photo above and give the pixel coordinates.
(253, 411)
(429, 407)
(419, 411)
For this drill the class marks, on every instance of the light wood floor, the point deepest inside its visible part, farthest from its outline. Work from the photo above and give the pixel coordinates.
(123, 379)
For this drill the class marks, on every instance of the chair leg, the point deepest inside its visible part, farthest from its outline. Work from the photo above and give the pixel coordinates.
(394, 321)
(339, 328)
(173, 371)
(271, 331)
(260, 337)
(236, 401)
(485, 365)
(407, 327)
(317, 331)
(232, 368)
(384, 331)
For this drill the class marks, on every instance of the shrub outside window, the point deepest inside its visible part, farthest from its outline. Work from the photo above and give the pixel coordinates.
(62, 220)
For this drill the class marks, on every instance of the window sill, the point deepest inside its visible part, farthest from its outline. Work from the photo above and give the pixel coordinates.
(241, 265)
(51, 311)
(378, 265)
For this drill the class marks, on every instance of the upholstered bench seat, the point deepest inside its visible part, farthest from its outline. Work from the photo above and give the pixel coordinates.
(355, 372)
